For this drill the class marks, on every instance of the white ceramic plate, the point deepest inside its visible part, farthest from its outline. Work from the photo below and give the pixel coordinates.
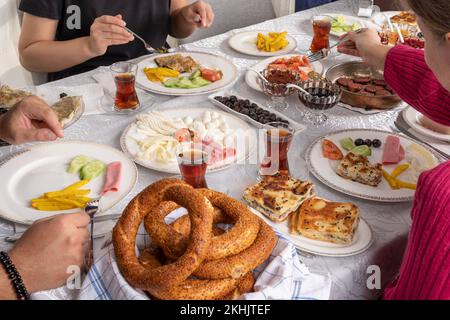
(323, 170)
(364, 23)
(362, 240)
(252, 79)
(412, 118)
(44, 168)
(131, 148)
(245, 42)
(54, 97)
(207, 60)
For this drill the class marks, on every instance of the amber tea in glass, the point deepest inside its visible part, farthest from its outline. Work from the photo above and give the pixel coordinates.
(193, 164)
(279, 138)
(126, 98)
(322, 29)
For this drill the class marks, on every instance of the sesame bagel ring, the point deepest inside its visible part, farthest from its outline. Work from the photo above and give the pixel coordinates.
(125, 232)
(238, 265)
(245, 285)
(189, 289)
(238, 238)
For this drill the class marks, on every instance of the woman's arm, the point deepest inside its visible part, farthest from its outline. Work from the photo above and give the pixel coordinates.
(185, 17)
(39, 52)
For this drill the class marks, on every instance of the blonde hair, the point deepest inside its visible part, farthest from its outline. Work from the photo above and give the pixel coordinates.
(435, 13)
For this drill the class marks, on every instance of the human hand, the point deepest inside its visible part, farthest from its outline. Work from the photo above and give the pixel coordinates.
(199, 13)
(48, 248)
(359, 44)
(30, 120)
(107, 31)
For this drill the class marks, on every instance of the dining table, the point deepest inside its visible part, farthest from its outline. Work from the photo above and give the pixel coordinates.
(389, 222)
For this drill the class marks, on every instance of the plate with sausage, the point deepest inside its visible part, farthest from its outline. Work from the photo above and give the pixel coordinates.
(61, 177)
(370, 164)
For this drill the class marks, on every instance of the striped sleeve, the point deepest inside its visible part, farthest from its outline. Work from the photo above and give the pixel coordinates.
(408, 74)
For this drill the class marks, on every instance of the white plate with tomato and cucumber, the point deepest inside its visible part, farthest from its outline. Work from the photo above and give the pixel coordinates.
(370, 164)
(61, 177)
(185, 74)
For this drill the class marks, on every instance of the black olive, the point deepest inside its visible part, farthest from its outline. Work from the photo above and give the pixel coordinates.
(376, 143)
(368, 142)
(359, 142)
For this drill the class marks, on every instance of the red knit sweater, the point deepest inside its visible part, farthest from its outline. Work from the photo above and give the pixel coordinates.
(408, 74)
(425, 270)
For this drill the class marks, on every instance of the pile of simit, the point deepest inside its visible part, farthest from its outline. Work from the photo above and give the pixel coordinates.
(192, 258)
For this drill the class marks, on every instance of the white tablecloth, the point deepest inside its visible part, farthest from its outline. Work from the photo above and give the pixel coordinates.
(389, 222)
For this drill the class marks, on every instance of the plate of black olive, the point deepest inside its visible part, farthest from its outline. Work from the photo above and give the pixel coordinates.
(251, 111)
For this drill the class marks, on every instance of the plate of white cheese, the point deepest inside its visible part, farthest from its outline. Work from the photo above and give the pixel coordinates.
(153, 139)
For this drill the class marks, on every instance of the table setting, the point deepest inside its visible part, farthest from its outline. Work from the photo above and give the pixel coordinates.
(265, 121)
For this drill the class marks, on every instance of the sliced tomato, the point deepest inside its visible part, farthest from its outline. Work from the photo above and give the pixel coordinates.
(212, 75)
(331, 151)
(185, 135)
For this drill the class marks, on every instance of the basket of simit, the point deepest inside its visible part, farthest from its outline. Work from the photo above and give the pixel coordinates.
(192, 257)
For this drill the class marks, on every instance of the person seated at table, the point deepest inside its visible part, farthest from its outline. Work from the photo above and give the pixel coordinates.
(64, 38)
(50, 246)
(422, 79)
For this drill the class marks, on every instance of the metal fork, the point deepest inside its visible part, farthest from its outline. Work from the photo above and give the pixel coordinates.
(91, 209)
(148, 47)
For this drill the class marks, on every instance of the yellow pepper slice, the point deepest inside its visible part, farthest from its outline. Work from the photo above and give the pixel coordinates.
(399, 170)
(56, 194)
(76, 185)
(392, 182)
(406, 185)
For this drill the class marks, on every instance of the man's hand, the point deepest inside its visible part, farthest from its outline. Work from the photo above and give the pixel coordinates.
(48, 248)
(199, 13)
(107, 31)
(30, 120)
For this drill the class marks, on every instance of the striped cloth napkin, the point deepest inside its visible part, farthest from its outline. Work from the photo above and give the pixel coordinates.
(281, 277)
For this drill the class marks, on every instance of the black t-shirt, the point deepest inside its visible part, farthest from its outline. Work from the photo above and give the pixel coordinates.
(148, 18)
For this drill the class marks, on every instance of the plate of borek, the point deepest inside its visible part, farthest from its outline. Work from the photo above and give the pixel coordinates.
(370, 164)
(154, 139)
(295, 64)
(313, 224)
(185, 73)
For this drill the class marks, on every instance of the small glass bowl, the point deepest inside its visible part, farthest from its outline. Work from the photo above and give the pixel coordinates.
(324, 95)
(278, 91)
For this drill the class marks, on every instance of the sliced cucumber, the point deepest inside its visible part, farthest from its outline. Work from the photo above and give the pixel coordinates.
(348, 144)
(185, 83)
(77, 163)
(200, 82)
(362, 150)
(196, 74)
(92, 170)
(171, 83)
